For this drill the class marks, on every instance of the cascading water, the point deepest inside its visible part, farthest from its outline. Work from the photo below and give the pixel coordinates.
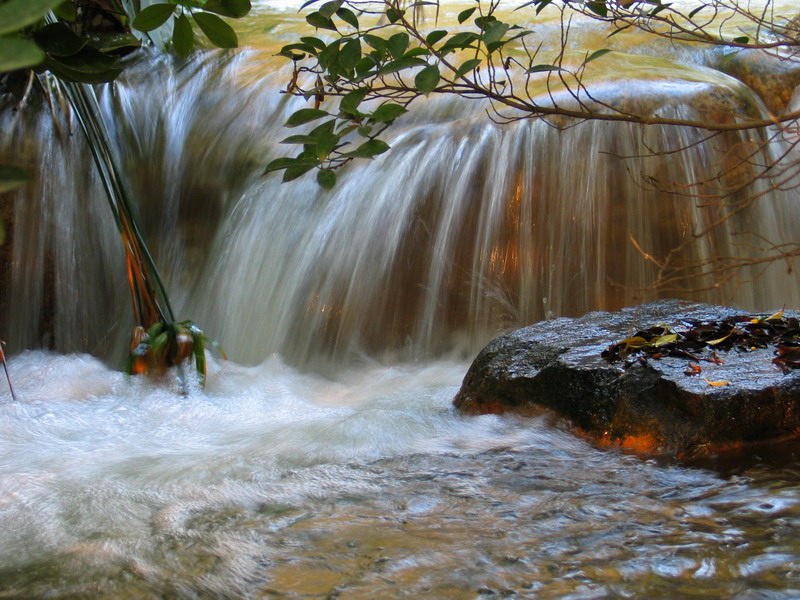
(464, 229)
(334, 465)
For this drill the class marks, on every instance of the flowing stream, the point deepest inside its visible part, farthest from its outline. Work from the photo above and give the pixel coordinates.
(324, 459)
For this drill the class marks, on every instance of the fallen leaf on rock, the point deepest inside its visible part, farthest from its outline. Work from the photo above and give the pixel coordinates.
(693, 369)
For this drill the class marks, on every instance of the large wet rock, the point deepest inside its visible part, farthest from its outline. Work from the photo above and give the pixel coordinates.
(650, 406)
(773, 78)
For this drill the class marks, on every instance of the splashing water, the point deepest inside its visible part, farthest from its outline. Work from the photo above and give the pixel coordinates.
(276, 484)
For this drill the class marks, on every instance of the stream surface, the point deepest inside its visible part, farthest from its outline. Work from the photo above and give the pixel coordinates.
(273, 483)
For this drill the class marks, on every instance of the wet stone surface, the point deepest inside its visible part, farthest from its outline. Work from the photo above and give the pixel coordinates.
(685, 402)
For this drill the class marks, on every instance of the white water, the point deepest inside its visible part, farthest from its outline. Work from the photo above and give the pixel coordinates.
(278, 484)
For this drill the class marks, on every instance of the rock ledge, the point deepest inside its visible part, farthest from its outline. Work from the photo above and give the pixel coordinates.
(651, 407)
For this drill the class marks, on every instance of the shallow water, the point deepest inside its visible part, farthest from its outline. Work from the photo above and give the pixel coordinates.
(278, 484)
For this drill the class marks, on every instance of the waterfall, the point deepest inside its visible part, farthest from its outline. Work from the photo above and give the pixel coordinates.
(464, 228)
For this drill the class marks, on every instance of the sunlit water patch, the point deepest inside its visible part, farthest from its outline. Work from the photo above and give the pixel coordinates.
(278, 484)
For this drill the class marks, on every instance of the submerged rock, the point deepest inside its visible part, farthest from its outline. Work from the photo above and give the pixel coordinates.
(654, 405)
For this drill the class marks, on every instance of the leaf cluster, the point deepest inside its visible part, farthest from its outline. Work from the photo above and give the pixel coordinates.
(36, 34)
(700, 340)
(207, 16)
(165, 345)
(16, 19)
(381, 48)
(327, 146)
(375, 63)
(39, 34)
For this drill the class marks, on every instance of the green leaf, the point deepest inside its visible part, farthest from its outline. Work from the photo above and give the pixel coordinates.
(16, 14)
(351, 100)
(325, 128)
(364, 130)
(118, 41)
(543, 68)
(290, 55)
(59, 40)
(369, 149)
(320, 21)
(482, 22)
(466, 14)
(742, 40)
(234, 9)
(495, 32)
(329, 8)
(292, 173)
(287, 50)
(299, 139)
(199, 351)
(326, 178)
(399, 65)
(397, 44)
(11, 178)
(619, 30)
(348, 16)
(596, 54)
(394, 15)
(305, 115)
(64, 71)
(427, 79)
(315, 42)
(376, 42)
(88, 60)
(329, 57)
(155, 329)
(182, 36)
(388, 112)
(66, 11)
(364, 66)
(460, 40)
(468, 66)
(217, 31)
(598, 7)
(325, 145)
(697, 10)
(153, 16)
(418, 51)
(18, 54)
(350, 54)
(159, 342)
(280, 163)
(435, 36)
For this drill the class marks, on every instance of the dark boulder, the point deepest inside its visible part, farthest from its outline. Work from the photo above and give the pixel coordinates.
(647, 405)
